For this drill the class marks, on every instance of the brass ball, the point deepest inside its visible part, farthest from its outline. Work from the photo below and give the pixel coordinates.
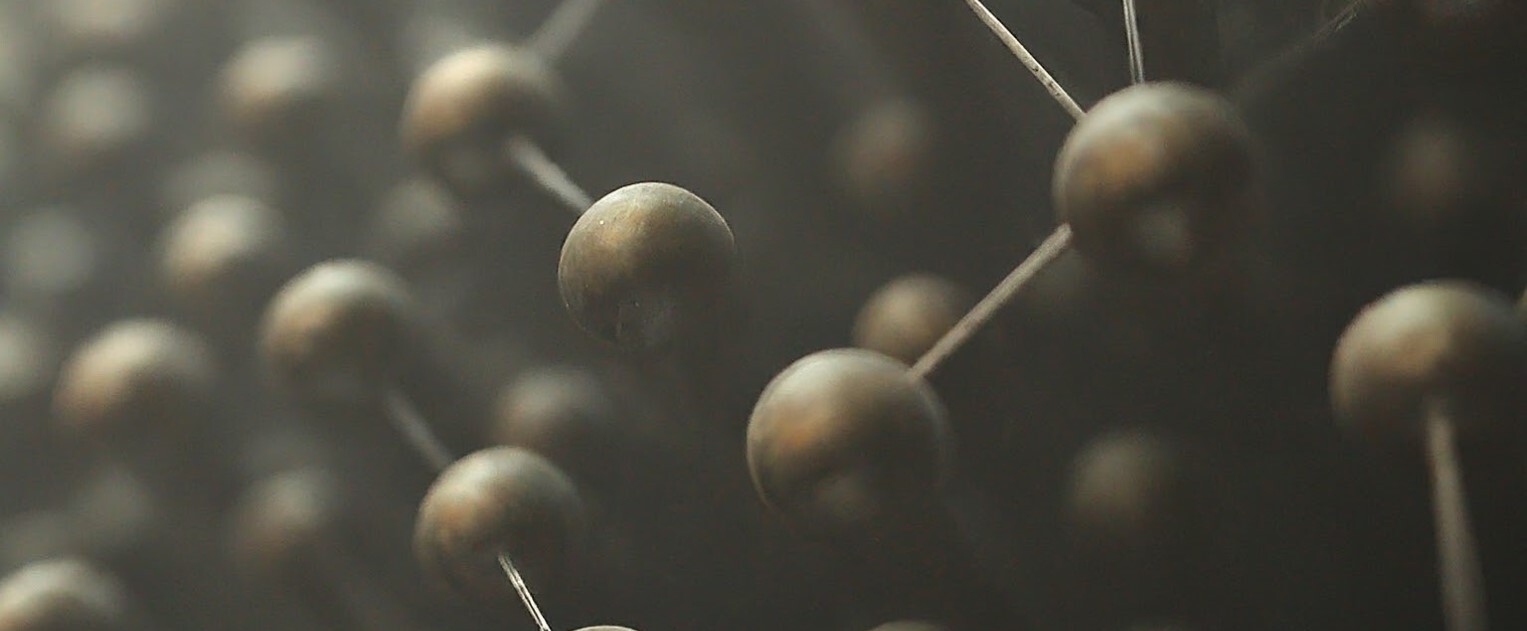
(463, 109)
(907, 316)
(278, 94)
(419, 226)
(845, 438)
(1132, 491)
(1157, 175)
(54, 261)
(97, 123)
(63, 595)
(224, 257)
(340, 332)
(645, 263)
(1450, 344)
(500, 500)
(885, 158)
(140, 382)
(116, 30)
(285, 521)
(565, 415)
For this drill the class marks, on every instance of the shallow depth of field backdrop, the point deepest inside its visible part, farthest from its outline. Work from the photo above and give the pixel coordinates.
(198, 434)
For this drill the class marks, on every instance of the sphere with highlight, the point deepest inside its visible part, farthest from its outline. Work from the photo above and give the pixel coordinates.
(462, 110)
(646, 263)
(1157, 175)
(500, 500)
(1449, 347)
(64, 595)
(419, 227)
(846, 438)
(563, 414)
(1132, 491)
(340, 332)
(907, 316)
(286, 521)
(278, 94)
(224, 257)
(138, 382)
(885, 159)
(98, 123)
(116, 30)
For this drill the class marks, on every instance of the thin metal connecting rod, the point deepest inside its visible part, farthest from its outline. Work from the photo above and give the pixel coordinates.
(1339, 22)
(980, 315)
(406, 418)
(1023, 55)
(523, 590)
(422, 437)
(560, 31)
(1132, 35)
(1463, 600)
(528, 157)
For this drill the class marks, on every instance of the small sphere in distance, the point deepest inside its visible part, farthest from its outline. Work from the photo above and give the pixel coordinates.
(98, 121)
(564, 414)
(340, 332)
(1449, 343)
(645, 262)
(53, 261)
(500, 500)
(907, 316)
(116, 30)
(284, 521)
(63, 595)
(463, 109)
(419, 226)
(1434, 172)
(28, 361)
(885, 157)
(224, 257)
(1157, 175)
(844, 438)
(1131, 491)
(278, 93)
(140, 381)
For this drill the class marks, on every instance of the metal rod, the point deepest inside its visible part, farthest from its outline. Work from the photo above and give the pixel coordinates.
(978, 317)
(424, 440)
(530, 159)
(1463, 599)
(406, 418)
(524, 590)
(1136, 51)
(1023, 55)
(560, 31)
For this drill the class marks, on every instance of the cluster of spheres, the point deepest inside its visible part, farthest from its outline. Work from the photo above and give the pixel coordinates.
(459, 315)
